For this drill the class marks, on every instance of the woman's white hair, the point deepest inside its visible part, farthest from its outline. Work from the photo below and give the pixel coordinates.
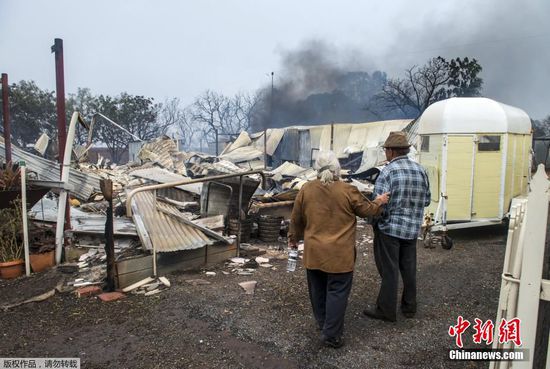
(327, 166)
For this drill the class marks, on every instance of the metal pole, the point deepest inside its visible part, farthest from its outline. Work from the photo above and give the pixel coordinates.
(57, 48)
(64, 193)
(119, 127)
(154, 245)
(24, 217)
(217, 151)
(271, 107)
(331, 136)
(265, 148)
(270, 122)
(240, 215)
(6, 115)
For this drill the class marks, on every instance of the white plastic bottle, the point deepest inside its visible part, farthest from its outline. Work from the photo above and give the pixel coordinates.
(292, 259)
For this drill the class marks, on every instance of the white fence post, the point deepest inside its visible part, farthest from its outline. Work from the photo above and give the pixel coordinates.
(536, 219)
(520, 291)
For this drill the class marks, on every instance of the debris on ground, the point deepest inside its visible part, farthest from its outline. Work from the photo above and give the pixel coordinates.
(183, 218)
(248, 287)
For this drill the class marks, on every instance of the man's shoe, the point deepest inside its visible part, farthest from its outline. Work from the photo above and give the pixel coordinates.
(375, 314)
(409, 314)
(333, 342)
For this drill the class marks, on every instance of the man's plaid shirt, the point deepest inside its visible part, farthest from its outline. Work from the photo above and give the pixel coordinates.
(409, 188)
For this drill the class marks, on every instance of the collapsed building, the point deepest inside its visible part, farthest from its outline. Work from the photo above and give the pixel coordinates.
(184, 210)
(180, 210)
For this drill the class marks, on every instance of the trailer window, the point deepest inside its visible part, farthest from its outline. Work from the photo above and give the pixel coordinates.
(425, 144)
(488, 143)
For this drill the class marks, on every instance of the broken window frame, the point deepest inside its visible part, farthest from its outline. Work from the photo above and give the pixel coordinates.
(488, 143)
(425, 143)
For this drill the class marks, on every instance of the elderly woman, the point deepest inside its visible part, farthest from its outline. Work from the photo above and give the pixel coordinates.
(324, 215)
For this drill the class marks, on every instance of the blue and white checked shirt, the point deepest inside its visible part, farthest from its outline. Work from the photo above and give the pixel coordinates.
(409, 188)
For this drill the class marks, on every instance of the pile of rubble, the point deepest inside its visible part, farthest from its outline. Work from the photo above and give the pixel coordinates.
(167, 221)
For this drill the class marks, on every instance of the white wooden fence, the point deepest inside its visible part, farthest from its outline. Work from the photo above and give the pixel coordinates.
(522, 285)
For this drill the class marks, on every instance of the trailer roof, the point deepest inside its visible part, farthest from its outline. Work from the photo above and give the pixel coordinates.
(473, 115)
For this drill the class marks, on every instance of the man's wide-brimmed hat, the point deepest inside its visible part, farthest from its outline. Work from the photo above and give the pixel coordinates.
(397, 140)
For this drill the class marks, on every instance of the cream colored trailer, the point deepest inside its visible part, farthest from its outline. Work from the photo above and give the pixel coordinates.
(477, 153)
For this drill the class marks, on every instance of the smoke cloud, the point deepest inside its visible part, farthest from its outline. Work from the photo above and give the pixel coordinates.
(509, 39)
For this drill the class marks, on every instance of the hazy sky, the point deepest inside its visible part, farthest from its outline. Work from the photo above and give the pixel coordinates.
(181, 48)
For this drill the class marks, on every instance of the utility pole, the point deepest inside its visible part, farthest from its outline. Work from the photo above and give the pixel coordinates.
(270, 122)
(6, 115)
(271, 108)
(57, 48)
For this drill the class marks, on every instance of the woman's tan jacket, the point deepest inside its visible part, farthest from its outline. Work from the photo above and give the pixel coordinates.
(324, 216)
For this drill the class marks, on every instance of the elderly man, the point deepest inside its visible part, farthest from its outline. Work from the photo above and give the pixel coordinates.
(324, 214)
(396, 231)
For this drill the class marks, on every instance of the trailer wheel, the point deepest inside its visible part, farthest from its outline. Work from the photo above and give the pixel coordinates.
(446, 242)
(428, 240)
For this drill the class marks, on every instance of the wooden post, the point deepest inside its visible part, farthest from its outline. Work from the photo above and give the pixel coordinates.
(57, 48)
(106, 186)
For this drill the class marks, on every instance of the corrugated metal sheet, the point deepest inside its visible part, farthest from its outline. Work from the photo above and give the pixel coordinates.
(84, 185)
(302, 179)
(315, 134)
(341, 138)
(274, 136)
(176, 194)
(246, 153)
(347, 139)
(159, 151)
(289, 169)
(305, 148)
(224, 166)
(242, 140)
(157, 228)
(375, 134)
(81, 222)
(133, 150)
(95, 224)
(162, 175)
(289, 147)
(42, 143)
(177, 215)
(251, 165)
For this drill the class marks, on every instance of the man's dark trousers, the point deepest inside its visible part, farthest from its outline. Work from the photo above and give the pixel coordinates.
(329, 294)
(393, 255)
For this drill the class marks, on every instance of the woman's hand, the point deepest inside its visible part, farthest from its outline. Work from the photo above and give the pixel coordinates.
(384, 198)
(292, 244)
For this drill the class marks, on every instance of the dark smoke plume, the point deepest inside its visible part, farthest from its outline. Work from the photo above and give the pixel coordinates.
(316, 84)
(321, 83)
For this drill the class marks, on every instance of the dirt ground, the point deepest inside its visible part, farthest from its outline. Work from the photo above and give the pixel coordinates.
(217, 326)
